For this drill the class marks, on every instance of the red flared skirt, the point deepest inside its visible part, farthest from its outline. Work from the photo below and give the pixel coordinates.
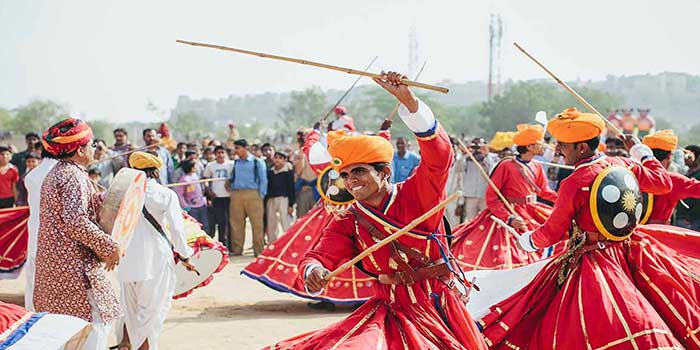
(429, 316)
(634, 294)
(482, 244)
(276, 267)
(13, 238)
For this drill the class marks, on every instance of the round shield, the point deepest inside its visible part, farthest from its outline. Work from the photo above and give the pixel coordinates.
(332, 187)
(122, 206)
(616, 202)
(647, 207)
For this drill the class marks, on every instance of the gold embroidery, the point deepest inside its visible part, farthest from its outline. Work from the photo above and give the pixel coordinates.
(486, 242)
(561, 304)
(581, 316)
(636, 335)
(356, 327)
(289, 243)
(608, 292)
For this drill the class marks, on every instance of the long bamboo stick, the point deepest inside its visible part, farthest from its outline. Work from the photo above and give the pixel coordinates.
(453, 197)
(315, 64)
(566, 87)
(196, 182)
(488, 178)
(347, 91)
(396, 108)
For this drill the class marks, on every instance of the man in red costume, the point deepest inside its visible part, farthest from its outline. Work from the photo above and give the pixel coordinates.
(414, 306)
(482, 243)
(663, 143)
(615, 287)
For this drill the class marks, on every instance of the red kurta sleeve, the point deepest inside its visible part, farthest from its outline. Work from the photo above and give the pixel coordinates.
(557, 225)
(493, 202)
(337, 245)
(686, 187)
(652, 176)
(426, 186)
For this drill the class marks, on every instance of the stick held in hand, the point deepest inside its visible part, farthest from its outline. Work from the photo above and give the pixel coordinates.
(315, 64)
(453, 197)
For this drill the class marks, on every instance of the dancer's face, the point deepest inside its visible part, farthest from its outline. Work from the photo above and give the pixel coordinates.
(362, 180)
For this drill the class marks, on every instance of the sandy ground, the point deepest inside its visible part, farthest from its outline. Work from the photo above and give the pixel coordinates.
(233, 312)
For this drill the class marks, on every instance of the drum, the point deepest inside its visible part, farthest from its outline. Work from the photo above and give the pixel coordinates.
(122, 206)
(210, 257)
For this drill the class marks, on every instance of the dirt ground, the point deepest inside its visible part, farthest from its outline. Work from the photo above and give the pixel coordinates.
(233, 312)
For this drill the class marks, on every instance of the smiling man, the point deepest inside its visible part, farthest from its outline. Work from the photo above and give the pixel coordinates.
(414, 305)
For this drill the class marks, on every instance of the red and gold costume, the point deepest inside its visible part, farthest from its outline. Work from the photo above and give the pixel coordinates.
(276, 266)
(635, 293)
(482, 244)
(423, 315)
(683, 187)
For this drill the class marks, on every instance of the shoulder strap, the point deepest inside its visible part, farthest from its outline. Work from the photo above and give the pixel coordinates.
(525, 171)
(376, 233)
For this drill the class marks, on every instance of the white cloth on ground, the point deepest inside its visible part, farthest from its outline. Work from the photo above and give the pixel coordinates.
(33, 181)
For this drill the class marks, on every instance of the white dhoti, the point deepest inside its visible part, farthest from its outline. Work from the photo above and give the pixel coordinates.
(146, 305)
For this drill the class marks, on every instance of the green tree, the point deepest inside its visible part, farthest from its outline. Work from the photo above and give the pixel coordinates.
(37, 115)
(304, 109)
(102, 129)
(523, 100)
(5, 120)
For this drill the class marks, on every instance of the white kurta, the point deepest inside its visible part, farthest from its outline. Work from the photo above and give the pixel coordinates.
(33, 181)
(147, 271)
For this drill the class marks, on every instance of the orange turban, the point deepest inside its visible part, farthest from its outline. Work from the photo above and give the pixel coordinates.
(664, 140)
(573, 126)
(349, 150)
(528, 134)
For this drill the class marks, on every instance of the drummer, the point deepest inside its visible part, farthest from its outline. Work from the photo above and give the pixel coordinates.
(69, 278)
(147, 271)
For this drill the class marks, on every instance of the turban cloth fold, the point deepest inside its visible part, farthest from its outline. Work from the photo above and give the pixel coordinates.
(143, 160)
(66, 137)
(665, 140)
(528, 134)
(572, 126)
(349, 150)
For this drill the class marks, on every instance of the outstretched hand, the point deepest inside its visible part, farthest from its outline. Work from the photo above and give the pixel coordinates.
(391, 82)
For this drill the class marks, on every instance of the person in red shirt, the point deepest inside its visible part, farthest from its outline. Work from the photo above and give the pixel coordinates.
(9, 176)
(412, 307)
(615, 287)
(663, 143)
(482, 244)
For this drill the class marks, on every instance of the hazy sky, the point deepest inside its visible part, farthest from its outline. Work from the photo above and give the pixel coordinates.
(106, 59)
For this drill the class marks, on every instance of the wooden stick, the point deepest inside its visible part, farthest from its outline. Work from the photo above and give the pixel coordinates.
(347, 91)
(506, 226)
(488, 179)
(396, 108)
(453, 197)
(125, 153)
(315, 64)
(583, 101)
(196, 182)
(562, 166)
